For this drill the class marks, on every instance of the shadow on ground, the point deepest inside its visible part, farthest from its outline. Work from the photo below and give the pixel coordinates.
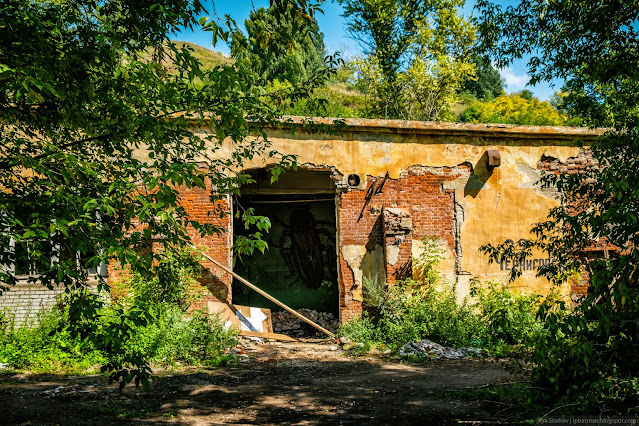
(299, 387)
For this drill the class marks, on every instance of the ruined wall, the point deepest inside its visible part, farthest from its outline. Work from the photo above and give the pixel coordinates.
(436, 174)
(381, 225)
(197, 202)
(415, 180)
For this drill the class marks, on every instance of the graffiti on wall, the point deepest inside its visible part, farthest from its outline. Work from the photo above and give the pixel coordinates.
(306, 246)
(526, 265)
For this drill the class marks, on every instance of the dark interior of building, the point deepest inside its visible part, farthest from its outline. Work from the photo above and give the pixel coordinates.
(300, 266)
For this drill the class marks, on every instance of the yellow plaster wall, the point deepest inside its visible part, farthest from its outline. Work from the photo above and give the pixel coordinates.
(496, 206)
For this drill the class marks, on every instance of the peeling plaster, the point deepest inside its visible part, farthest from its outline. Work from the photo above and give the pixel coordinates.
(373, 263)
(458, 220)
(490, 206)
(530, 176)
(353, 255)
(392, 254)
(446, 266)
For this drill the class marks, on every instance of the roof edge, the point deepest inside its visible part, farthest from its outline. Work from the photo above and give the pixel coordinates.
(443, 128)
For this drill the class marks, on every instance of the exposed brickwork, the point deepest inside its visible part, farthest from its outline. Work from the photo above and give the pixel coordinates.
(579, 286)
(571, 165)
(419, 192)
(597, 249)
(398, 244)
(25, 301)
(198, 205)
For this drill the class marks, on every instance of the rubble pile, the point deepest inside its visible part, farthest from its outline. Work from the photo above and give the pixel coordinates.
(431, 350)
(76, 392)
(287, 323)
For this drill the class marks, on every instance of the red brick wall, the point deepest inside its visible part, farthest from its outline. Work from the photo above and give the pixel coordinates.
(571, 165)
(597, 249)
(199, 206)
(419, 192)
(398, 230)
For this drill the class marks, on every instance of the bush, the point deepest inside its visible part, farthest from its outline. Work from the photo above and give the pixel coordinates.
(42, 349)
(494, 317)
(517, 108)
(175, 337)
(151, 321)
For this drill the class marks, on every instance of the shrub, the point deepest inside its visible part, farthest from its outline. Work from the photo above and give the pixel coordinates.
(172, 335)
(42, 349)
(175, 337)
(171, 281)
(150, 322)
(493, 317)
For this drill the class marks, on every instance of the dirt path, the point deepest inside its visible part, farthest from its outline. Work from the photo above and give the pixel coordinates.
(292, 383)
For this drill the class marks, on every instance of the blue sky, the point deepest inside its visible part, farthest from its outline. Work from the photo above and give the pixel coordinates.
(336, 39)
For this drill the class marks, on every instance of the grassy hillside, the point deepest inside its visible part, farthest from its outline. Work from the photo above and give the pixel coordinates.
(208, 58)
(345, 101)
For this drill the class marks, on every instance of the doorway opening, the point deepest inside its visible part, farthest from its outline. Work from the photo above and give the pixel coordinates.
(299, 267)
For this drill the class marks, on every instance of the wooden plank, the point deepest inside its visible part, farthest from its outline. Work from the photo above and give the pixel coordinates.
(272, 336)
(268, 296)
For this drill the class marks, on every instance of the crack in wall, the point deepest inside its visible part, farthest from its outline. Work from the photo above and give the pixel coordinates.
(458, 220)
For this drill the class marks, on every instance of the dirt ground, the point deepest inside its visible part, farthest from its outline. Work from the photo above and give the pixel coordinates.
(301, 383)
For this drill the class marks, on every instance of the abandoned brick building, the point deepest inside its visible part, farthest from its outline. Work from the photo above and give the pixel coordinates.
(365, 196)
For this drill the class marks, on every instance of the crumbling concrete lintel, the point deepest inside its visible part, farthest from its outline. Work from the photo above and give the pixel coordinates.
(397, 222)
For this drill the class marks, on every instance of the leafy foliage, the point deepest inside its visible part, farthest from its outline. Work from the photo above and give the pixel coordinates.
(487, 83)
(79, 100)
(589, 357)
(418, 55)
(41, 349)
(170, 281)
(494, 317)
(334, 100)
(170, 335)
(513, 109)
(276, 48)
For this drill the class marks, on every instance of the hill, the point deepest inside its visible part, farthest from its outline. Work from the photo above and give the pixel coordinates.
(208, 58)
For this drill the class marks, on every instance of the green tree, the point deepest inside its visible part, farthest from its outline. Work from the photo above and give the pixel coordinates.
(592, 356)
(513, 109)
(385, 30)
(487, 84)
(417, 55)
(276, 48)
(78, 103)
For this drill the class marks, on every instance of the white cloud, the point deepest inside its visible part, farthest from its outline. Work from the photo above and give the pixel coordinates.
(514, 81)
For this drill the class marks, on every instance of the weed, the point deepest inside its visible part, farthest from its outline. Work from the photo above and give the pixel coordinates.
(494, 317)
(169, 335)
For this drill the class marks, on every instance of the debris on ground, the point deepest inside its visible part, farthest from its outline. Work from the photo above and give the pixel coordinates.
(76, 391)
(430, 350)
(287, 323)
(280, 383)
